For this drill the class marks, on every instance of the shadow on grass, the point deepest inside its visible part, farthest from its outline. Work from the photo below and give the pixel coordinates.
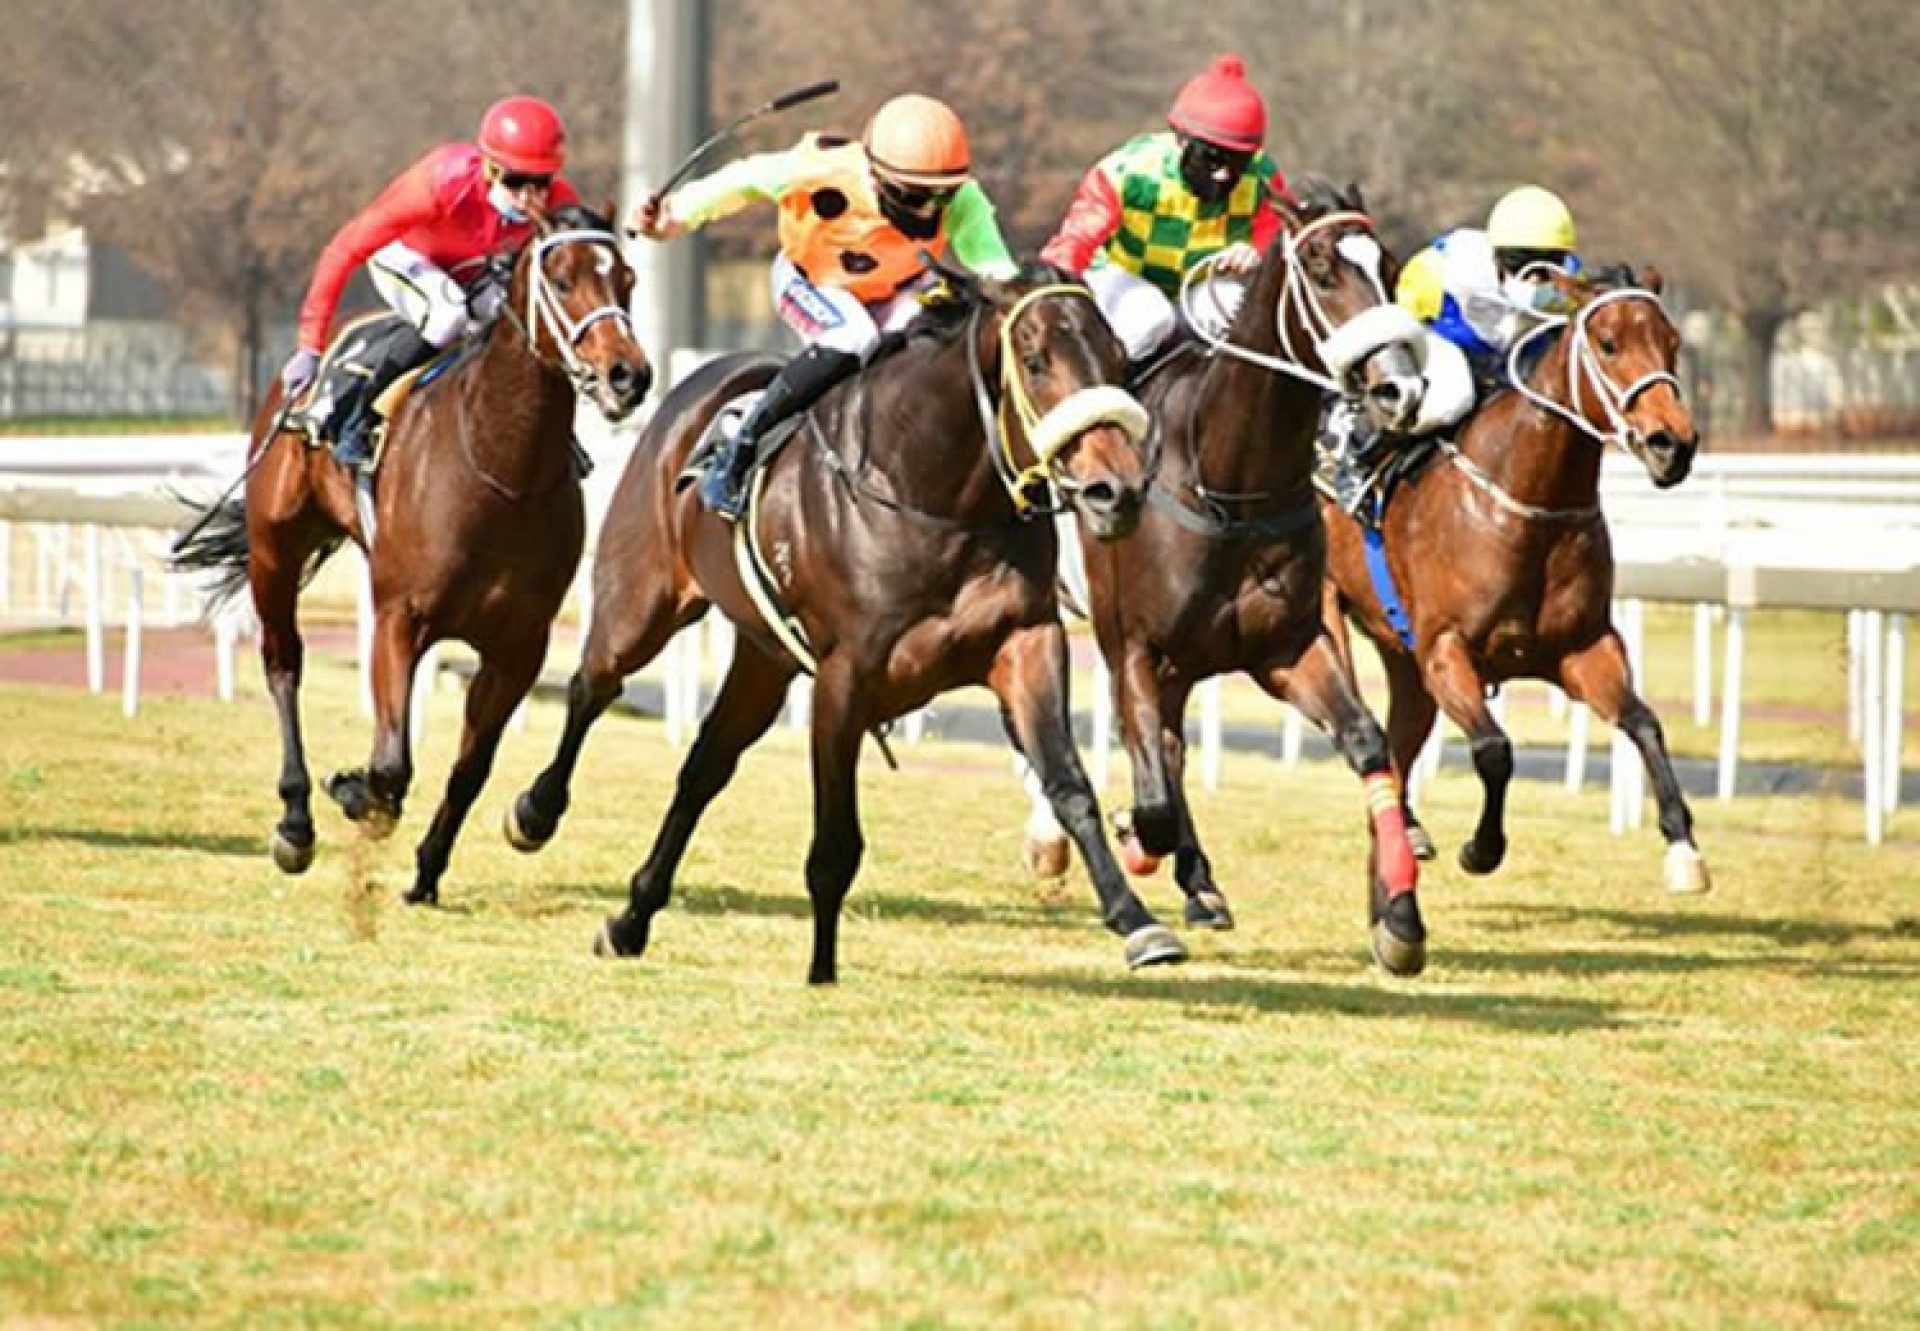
(1507, 1012)
(699, 898)
(121, 838)
(1593, 962)
(1681, 922)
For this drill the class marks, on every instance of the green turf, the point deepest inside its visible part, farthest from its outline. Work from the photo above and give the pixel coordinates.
(231, 1098)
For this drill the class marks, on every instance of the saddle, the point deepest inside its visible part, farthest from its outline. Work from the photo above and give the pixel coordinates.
(725, 423)
(349, 361)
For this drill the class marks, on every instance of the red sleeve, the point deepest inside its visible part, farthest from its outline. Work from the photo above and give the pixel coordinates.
(1267, 221)
(412, 198)
(1091, 220)
(563, 194)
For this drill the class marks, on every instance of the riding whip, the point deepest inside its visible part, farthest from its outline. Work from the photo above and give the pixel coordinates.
(784, 102)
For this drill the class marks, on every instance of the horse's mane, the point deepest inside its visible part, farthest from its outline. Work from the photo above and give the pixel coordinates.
(578, 217)
(1316, 195)
(1611, 277)
(944, 317)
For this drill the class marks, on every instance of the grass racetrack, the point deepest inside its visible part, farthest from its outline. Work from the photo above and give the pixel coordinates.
(232, 1098)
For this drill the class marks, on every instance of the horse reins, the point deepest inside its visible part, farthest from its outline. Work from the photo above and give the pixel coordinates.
(1049, 432)
(546, 313)
(1614, 400)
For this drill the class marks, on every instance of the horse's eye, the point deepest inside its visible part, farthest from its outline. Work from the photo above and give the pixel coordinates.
(564, 285)
(1608, 346)
(1035, 363)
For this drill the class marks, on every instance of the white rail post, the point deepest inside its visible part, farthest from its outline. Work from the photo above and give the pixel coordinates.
(96, 613)
(1579, 735)
(1890, 756)
(1556, 703)
(1872, 706)
(1293, 733)
(6, 568)
(1856, 674)
(426, 671)
(1702, 664)
(1736, 648)
(130, 667)
(1210, 736)
(800, 702)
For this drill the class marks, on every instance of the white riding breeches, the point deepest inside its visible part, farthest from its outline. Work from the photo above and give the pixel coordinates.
(1142, 315)
(832, 317)
(423, 294)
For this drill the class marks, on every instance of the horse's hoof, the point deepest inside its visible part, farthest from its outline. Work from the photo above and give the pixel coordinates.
(619, 936)
(514, 823)
(1154, 945)
(1398, 936)
(1686, 871)
(1207, 909)
(1398, 956)
(421, 894)
(1420, 842)
(1046, 857)
(378, 822)
(1480, 862)
(289, 856)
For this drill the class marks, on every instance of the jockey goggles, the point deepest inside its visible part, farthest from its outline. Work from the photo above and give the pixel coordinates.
(921, 199)
(519, 180)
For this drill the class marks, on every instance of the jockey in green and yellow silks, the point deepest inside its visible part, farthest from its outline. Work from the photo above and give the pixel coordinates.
(855, 219)
(1160, 203)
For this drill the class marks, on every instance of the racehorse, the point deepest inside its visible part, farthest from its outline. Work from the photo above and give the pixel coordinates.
(1501, 559)
(479, 525)
(1226, 569)
(906, 560)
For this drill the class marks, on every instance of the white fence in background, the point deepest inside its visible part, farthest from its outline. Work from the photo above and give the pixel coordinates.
(1827, 531)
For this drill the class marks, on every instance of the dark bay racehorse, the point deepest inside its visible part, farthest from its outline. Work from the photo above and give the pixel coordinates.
(904, 564)
(1225, 572)
(479, 528)
(1501, 558)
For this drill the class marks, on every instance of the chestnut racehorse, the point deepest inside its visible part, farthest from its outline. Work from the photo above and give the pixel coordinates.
(1501, 559)
(479, 528)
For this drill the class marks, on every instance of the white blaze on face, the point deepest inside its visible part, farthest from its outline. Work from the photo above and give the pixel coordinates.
(1363, 252)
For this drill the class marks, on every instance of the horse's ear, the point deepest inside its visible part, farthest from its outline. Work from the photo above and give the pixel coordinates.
(1355, 200)
(958, 280)
(1653, 279)
(610, 210)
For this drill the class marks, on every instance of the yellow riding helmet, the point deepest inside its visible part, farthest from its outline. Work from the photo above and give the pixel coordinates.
(1531, 218)
(918, 141)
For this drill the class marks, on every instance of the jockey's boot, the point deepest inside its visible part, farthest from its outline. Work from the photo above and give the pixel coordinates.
(1365, 450)
(353, 444)
(801, 382)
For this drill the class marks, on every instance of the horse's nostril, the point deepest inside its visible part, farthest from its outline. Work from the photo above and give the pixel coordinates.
(1101, 496)
(630, 381)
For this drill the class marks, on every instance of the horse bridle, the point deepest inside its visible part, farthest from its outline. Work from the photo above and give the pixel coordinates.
(1615, 401)
(1340, 345)
(1049, 432)
(545, 310)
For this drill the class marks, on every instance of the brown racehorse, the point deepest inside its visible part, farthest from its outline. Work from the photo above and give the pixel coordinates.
(900, 525)
(1226, 569)
(1501, 557)
(478, 521)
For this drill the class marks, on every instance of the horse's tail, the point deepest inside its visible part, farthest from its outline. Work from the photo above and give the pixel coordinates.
(217, 544)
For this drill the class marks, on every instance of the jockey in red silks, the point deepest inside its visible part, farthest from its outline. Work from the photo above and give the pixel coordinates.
(1162, 202)
(856, 219)
(426, 240)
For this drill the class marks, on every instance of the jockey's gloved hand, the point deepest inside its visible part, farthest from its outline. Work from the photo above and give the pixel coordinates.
(297, 374)
(1237, 260)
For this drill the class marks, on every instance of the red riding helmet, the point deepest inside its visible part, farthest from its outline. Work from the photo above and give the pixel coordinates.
(524, 134)
(1220, 107)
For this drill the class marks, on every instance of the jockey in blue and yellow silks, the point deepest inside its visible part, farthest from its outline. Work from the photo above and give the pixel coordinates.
(1477, 291)
(1162, 202)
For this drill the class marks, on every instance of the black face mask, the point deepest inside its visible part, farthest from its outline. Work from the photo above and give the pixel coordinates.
(1211, 171)
(916, 212)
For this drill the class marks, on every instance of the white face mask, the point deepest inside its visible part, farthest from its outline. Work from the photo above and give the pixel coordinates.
(505, 203)
(1539, 297)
